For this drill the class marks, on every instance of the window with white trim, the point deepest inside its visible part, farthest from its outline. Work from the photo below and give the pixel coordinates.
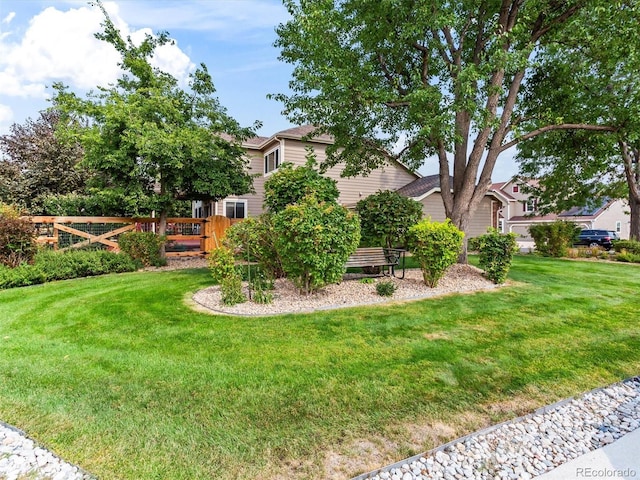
(272, 161)
(515, 189)
(235, 208)
(618, 226)
(530, 205)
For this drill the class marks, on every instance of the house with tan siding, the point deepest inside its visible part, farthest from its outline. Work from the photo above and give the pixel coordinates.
(266, 154)
(519, 212)
(426, 190)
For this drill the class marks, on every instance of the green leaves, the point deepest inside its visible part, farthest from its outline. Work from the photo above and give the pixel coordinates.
(386, 216)
(436, 245)
(314, 240)
(149, 136)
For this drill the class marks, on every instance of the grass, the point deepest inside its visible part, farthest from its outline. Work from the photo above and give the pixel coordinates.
(118, 375)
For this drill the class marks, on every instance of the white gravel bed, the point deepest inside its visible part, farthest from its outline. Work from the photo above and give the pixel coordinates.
(351, 292)
(532, 445)
(21, 458)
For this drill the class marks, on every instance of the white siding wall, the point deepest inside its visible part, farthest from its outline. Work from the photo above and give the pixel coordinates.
(617, 212)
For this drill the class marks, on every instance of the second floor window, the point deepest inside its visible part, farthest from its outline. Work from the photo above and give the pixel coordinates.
(272, 161)
(530, 206)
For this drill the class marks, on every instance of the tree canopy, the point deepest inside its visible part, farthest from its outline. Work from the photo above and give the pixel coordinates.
(419, 78)
(36, 164)
(154, 140)
(595, 81)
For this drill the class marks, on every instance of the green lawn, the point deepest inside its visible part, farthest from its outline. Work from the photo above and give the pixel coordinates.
(118, 375)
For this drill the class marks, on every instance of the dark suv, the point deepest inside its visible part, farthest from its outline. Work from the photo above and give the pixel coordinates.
(597, 238)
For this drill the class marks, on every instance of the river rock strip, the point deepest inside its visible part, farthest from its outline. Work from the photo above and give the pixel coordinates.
(532, 445)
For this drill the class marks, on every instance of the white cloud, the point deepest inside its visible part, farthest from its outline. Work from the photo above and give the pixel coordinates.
(9, 17)
(60, 46)
(229, 18)
(6, 114)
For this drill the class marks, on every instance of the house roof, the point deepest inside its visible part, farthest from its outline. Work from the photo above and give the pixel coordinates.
(422, 186)
(588, 211)
(295, 133)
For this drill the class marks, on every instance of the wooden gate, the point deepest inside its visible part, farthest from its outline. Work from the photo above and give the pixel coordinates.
(186, 237)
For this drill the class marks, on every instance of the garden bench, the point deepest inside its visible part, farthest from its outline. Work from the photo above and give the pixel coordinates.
(384, 258)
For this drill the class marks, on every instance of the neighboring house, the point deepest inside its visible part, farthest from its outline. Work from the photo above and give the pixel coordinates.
(519, 212)
(266, 154)
(426, 190)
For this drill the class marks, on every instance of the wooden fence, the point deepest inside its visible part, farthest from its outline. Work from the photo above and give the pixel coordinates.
(186, 237)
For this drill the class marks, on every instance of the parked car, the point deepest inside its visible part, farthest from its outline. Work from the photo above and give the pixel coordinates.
(597, 238)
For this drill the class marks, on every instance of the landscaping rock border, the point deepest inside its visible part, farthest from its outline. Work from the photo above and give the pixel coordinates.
(531, 445)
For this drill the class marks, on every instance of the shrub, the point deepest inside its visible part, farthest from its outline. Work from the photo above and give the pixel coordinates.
(436, 246)
(231, 290)
(254, 240)
(630, 246)
(553, 239)
(17, 238)
(143, 247)
(259, 286)
(628, 257)
(226, 274)
(385, 289)
(51, 265)
(473, 244)
(222, 264)
(289, 185)
(496, 254)
(315, 240)
(386, 216)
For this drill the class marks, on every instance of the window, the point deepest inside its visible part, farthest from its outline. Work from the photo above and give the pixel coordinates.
(501, 225)
(515, 189)
(530, 205)
(618, 226)
(272, 161)
(235, 208)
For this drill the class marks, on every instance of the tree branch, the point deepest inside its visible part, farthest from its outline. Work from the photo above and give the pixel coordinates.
(562, 126)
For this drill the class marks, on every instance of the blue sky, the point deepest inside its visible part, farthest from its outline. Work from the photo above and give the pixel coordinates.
(43, 41)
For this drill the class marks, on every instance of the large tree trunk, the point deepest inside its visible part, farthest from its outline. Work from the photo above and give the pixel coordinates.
(631, 159)
(634, 226)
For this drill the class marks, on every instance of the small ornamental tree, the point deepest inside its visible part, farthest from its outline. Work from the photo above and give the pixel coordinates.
(496, 253)
(254, 239)
(289, 185)
(436, 246)
(315, 240)
(554, 239)
(386, 216)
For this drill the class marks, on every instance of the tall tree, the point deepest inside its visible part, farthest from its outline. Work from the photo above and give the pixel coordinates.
(155, 140)
(36, 163)
(437, 77)
(592, 81)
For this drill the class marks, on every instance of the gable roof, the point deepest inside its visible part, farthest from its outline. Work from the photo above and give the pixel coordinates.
(295, 133)
(421, 187)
